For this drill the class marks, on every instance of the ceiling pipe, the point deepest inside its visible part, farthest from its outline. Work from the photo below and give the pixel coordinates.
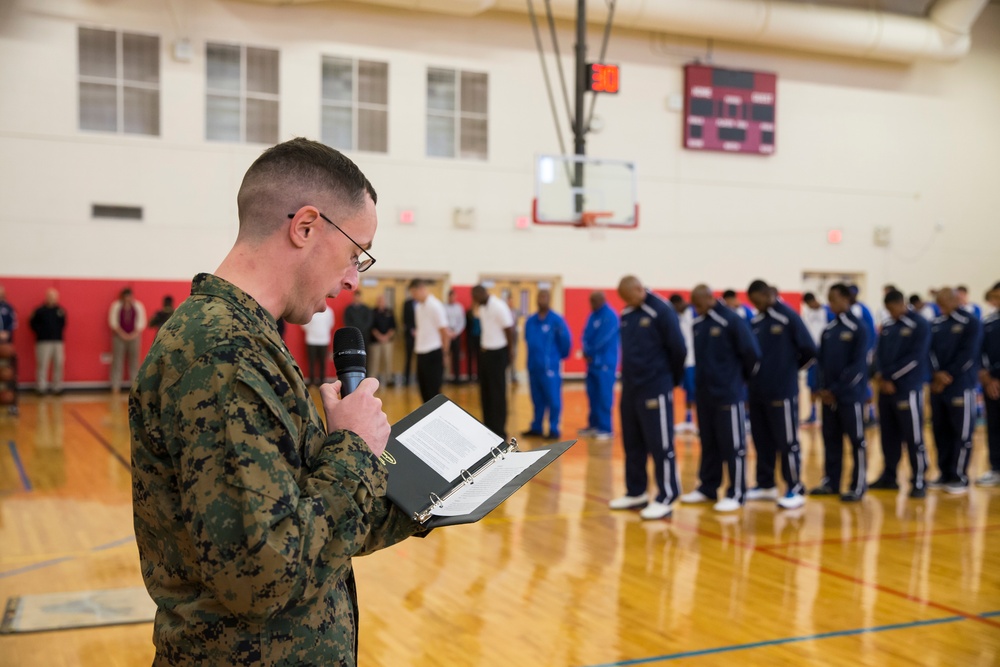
(860, 33)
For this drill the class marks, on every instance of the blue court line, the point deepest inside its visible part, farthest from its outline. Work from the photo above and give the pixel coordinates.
(788, 640)
(116, 543)
(35, 566)
(25, 482)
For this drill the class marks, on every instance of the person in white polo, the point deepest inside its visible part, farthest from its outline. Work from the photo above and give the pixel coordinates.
(497, 324)
(431, 338)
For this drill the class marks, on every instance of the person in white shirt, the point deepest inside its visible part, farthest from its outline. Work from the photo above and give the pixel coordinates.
(816, 317)
(456, 325)
(496, 343)
(318, 335)
(431, 337)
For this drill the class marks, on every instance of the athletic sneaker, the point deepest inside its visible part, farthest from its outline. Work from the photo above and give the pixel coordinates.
(587, 432)
(956, 488)
(603, 436)
(884, 483)
(656, 510)
(628, 502)
(991, 478)
(791, 501)
(759, 493)
(726, 505)
(851, 497)
(935, 483)
(684, 427)
(918, 492)
(695, 497)
(823, 490)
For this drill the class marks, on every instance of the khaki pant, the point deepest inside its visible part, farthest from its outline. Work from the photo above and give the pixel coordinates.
(381, 361)
(47, 352)
(119, 348)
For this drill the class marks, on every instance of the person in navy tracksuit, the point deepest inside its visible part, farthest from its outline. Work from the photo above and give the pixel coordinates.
(843, 381)
(600, 349)
(901, 370)
(726, 355)
(548, 340)
(652, 361)
(955, 355)
(864, 315)
(785, 346)
(989, 376)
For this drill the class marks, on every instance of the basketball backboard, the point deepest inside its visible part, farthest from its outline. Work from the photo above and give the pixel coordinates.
(584, 191)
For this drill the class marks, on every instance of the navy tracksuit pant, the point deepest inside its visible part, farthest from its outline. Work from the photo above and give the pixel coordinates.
(839, 420)
(953, 419)
(546, 396)
(722, 427)
(775, 426)
(647, 416)
(993, 431)
(600, 395)
(901, 419)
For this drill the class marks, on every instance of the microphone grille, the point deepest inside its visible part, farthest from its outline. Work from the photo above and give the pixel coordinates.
(348, 349)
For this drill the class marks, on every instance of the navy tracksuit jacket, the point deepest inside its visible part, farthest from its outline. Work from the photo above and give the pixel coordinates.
(548, 341)
(600, 346)
(785, 347)
(902, 357)
(955, 349)
(843, 371)
(991, 364)
(653, 353)
(726, 355)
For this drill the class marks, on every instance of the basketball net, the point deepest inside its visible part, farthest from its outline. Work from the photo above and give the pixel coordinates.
(590, 218)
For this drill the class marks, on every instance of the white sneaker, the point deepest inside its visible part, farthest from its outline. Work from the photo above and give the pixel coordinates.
(587, 432)
(695, 497)
(726, 505)
(683, 427)
(758, 493)
(603, 436)
(655, 510)
(791, 501)
(991, 478)
(628, 502)
(956, 489)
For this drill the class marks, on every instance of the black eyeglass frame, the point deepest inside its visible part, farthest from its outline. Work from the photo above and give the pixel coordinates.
(362, 265)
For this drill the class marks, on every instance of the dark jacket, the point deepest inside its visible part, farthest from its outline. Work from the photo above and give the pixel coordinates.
(726, 355)
(843, 353)
(955, 348)
(653, 347)
(785, 347)
(903, 352)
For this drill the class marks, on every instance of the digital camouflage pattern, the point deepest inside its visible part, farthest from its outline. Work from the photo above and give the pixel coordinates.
(247, 512)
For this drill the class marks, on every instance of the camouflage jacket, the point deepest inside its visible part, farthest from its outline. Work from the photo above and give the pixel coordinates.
(247, 512)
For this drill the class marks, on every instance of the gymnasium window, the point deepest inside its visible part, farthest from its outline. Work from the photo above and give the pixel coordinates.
(242, 94)
(355, 110)
(119, 77)
(457, 114)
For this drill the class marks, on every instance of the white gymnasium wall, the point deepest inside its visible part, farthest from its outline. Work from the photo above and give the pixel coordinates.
(859, 145)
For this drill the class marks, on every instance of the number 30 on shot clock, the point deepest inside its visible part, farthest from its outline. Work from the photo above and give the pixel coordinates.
(602, 78)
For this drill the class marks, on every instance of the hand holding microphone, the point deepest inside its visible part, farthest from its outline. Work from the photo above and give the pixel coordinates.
(349, 402)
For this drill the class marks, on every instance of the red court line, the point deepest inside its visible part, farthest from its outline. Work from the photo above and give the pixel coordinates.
(884, 536)
(767, 550)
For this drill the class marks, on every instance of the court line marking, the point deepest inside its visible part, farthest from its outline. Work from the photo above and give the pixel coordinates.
(68, 557)
(786, 640)
(25, 480)
(885, 536)
(101, 439)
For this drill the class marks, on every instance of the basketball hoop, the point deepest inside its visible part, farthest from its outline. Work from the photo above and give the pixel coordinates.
(590, 218)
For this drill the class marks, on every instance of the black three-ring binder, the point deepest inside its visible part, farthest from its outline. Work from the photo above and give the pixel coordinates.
(416, 488)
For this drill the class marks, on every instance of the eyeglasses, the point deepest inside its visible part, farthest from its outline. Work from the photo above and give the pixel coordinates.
(364, 261)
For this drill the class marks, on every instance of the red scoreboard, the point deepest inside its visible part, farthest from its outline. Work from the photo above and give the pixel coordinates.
(729, 110)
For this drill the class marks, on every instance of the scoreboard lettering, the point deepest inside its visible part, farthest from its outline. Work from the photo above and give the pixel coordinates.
(729, 110)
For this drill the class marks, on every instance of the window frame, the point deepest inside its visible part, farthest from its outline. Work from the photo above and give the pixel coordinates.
(244, 92)
(457, 114)
(355, 105)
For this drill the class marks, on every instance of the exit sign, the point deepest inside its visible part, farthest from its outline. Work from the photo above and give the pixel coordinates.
(602, 78)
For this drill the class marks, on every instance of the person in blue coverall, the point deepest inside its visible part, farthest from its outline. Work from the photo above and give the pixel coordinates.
(902, 367)
(653, 355)
(785, 346)
(955, 356)
(843, 381)
(726, 356)
(548, 341)
(600, 349)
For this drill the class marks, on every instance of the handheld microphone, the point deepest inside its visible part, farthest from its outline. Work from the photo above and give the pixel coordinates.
(349, 358)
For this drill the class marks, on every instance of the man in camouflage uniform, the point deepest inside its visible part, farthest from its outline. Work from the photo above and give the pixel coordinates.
(247, 508)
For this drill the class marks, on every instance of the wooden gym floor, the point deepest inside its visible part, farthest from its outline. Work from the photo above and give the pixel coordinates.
(552, 577)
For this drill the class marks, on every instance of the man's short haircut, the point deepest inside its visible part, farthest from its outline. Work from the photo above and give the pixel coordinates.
(729, 294)
(963, 289)
(808, 296)
(758, 286)
(996, 286)
(915, 299)
(418, 282)
(893, 296)
(676, 299)
(841, 289)
(293, 167)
